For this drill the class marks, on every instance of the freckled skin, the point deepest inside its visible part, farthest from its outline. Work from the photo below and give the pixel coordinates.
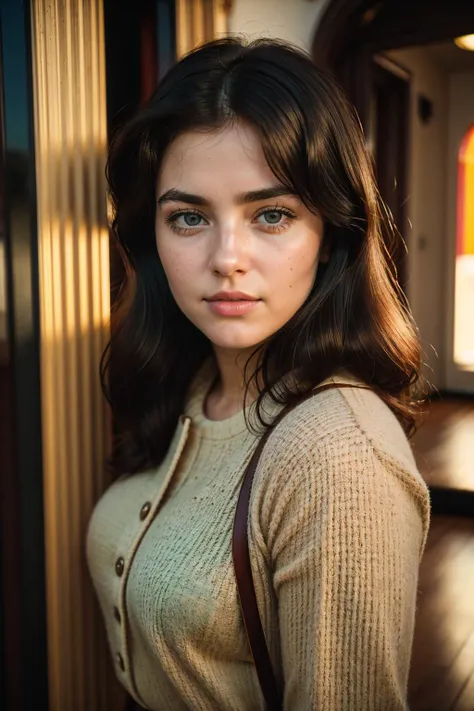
(232, 247)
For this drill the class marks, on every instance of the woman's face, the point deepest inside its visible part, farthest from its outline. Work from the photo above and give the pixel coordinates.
(224, 223)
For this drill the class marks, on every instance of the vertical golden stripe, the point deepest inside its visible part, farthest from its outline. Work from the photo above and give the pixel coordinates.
(468, 159)
(219, 13)
(199, 21)
(70, 144)
(181, 27)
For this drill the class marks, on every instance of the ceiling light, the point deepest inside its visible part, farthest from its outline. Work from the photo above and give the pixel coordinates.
(465, 42)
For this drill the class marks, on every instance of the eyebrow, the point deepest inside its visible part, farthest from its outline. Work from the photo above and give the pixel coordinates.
(274, 191)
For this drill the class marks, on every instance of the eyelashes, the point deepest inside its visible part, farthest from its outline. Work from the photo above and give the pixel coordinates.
(193, 214)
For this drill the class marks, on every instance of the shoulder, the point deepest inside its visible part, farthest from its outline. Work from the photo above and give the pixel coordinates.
(351, 416)
(340, 442)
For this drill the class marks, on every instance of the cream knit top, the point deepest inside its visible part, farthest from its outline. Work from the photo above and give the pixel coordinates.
(338, 521)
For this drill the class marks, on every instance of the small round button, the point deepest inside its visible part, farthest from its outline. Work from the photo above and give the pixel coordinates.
(145, 510)
(120, 661)
(117, 614)
(119, 566)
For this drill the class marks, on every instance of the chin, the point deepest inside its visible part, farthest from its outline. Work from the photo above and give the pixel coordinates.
(234, 345)
(234, 342)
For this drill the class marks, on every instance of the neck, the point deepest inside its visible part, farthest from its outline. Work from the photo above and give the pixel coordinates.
(226, 396)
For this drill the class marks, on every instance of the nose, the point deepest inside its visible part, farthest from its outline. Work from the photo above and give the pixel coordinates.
(229, 253)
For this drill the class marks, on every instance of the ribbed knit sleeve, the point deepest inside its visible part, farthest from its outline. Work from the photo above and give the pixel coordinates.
(345, 525)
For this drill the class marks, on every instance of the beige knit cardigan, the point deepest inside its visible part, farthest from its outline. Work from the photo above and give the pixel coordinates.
(338, 521)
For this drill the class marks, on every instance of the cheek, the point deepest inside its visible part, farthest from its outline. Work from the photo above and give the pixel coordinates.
(178, 265)
(296, 268)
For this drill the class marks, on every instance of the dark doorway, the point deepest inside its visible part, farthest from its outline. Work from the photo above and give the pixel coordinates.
(390, 128)
(351, 32)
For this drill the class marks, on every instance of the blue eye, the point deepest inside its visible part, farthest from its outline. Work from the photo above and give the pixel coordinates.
(272, 217)
(192, 220)
(275, 218)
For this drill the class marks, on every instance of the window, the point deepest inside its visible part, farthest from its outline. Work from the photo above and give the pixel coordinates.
(464, 278)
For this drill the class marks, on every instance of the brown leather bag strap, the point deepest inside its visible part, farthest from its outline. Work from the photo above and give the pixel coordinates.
(243, 571)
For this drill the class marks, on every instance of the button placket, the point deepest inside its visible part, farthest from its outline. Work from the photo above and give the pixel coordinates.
(147, 507)
(119, 570)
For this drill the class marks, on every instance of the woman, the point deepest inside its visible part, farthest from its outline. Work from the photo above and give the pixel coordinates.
(253, 238)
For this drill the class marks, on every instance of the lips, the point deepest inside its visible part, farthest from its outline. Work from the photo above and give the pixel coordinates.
(234, 307)
(220, 298)
(232, 296)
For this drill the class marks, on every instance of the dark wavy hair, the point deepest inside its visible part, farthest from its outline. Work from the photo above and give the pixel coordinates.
(356, 316)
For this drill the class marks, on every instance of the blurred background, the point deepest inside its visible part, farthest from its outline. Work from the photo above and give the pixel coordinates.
(71, 71)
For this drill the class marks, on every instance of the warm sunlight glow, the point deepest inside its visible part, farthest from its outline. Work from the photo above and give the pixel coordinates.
(465, 42)
(464, 288)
